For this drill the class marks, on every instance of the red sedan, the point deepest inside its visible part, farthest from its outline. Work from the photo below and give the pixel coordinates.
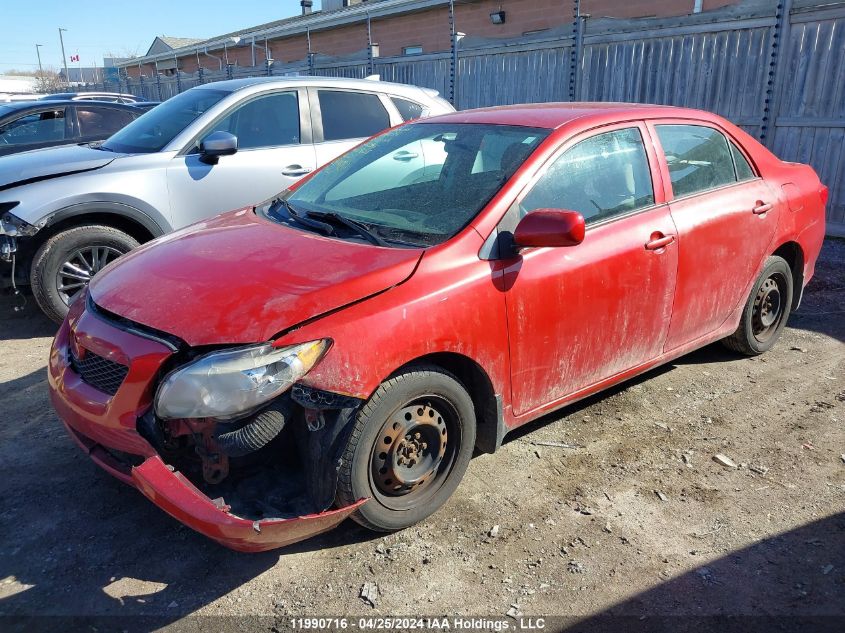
(341, 350)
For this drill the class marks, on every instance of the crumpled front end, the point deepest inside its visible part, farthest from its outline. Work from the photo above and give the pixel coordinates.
(103, 373)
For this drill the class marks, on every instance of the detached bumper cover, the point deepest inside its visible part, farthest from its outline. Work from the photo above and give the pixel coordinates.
(177, 496)
(105, 426)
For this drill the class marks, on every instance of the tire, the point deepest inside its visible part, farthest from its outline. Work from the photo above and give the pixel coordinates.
(441, 415)
(766, 311)
(54, 294)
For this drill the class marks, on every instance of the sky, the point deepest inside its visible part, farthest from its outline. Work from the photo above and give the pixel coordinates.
(97, 28)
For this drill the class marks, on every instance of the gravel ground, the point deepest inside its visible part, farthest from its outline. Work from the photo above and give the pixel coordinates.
(637, 520)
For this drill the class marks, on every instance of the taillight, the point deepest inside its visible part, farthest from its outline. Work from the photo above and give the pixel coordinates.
(824, 192)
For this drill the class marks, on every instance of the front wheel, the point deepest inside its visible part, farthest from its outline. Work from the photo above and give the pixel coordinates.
(766, 310)
(64, 264)
(408, 450)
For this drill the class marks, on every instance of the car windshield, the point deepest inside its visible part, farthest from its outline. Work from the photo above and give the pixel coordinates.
(419, 184)
(157, 127)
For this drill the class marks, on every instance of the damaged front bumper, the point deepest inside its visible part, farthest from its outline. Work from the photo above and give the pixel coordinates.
(12, 228)
(106, 428)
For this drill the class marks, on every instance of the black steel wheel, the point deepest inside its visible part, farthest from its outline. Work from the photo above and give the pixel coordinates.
(766, 311)
(409, 448)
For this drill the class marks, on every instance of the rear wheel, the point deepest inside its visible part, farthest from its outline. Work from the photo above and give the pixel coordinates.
(766, 310)
(408, 450)
(64, 264)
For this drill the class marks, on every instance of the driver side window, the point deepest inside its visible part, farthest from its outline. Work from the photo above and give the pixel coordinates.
(268, 121)
(601, 177)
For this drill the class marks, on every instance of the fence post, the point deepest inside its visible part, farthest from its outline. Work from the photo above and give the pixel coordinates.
(200, 75)
(229, 71)
(776, 76)
(158, 84)
(370, 67)
(178, 81)
(310, 54)
(576, 52)
(453, 64)
(141, 87)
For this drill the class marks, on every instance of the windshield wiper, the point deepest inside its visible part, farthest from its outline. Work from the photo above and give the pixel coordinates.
(359, 227)
(300, 218)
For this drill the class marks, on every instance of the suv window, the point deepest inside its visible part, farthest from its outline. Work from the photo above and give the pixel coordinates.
(698, 158)
(408, 109)
(743, 169)
(94, 121)
(38, 127)
(601, 177)
(269, 121)
(351, 114)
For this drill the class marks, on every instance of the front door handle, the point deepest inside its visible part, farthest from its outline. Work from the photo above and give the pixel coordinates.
(658, 241)
(762, 207)
(295, 170)
(405, 156)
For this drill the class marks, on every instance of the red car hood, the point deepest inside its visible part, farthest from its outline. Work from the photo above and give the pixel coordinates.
(239, 278)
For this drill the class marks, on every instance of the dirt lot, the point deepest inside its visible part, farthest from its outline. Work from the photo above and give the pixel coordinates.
(638, 521)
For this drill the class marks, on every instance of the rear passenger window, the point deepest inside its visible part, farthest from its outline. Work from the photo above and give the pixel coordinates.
(351, 114)
(408, 109)
(602, 177)
(743, 169)
(94, 121)
(698, 158)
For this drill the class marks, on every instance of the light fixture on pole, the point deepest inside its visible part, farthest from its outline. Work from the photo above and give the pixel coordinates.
(64, 57)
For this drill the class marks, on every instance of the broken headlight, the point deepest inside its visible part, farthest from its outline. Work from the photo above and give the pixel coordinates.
(232, 382)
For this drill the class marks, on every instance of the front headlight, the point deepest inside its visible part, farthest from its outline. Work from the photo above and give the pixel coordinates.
(231, 382)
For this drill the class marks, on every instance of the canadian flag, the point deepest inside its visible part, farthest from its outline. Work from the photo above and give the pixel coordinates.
(74, 58)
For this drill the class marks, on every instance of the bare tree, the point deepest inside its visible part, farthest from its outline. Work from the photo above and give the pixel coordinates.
(48, 81)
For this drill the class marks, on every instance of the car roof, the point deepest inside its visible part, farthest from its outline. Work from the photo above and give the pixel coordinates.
(555, 115)
(69, 95)
(53, 103)
(312, 80)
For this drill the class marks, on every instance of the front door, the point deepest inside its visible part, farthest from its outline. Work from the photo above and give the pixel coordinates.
(580, 314)
(274, 151)
(726, 218)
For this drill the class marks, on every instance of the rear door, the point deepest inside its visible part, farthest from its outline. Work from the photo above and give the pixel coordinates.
(344, 118)
(97, 122)
(726, 217)
(274, 151)
(34, 129)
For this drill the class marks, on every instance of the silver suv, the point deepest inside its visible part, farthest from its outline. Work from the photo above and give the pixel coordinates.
(67, 212)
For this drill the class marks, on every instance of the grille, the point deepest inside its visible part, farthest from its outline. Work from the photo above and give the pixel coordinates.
(101, 373)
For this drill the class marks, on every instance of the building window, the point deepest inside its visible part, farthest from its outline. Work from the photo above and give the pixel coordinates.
(412, 50)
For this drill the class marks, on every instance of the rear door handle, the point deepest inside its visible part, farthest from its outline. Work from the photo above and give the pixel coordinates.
(295, 170)
(761, 208)
(659, 242)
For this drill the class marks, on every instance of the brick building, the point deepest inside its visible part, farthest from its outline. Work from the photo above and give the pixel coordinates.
(396, 28)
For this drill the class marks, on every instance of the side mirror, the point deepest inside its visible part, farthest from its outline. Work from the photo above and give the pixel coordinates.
(217, 144)
(550, 227)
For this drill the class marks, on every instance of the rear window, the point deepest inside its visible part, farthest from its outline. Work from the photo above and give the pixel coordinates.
(408, 109)
(351, 114)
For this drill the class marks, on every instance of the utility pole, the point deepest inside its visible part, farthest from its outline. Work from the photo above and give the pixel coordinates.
(38, 52)
(64, 57)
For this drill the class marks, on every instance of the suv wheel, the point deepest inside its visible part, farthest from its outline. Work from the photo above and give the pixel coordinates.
(66, 262)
